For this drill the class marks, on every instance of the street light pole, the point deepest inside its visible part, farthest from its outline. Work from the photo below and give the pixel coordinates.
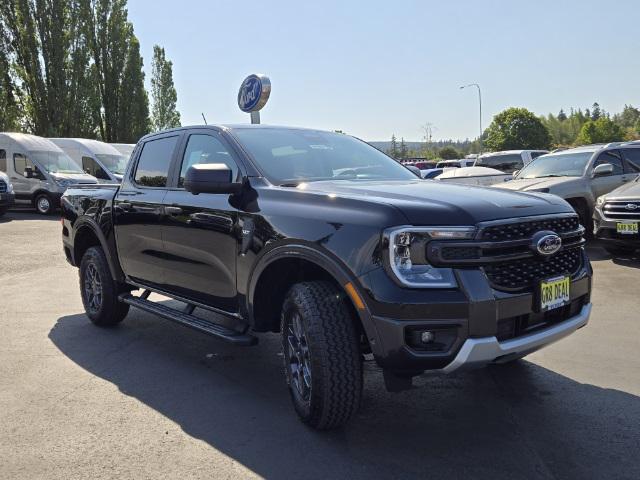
(480, 103)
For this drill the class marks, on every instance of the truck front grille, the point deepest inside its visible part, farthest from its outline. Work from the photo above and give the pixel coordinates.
(622, 210)
(527, 272)
(3, 186)
(506, 251)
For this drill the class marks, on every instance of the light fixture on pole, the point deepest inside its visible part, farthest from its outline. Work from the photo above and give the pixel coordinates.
(480, 103)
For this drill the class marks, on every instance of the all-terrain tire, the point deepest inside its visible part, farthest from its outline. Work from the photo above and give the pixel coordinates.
(99, 290)
(333, 354)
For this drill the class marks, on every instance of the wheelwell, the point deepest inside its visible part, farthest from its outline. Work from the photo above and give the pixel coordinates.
(580, 205)
(84, 239)
(36, 193)
(276, 280)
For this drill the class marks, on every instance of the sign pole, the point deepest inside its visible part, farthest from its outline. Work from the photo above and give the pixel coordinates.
(255, 117)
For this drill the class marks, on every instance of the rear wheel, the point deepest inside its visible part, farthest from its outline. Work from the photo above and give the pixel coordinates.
(99, 290)
(323, 365)
(44, 204)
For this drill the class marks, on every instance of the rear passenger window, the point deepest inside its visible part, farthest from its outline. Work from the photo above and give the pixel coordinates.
(612, 157)
(3, 161)
(632, 155)
(153, 166)
(206, 149)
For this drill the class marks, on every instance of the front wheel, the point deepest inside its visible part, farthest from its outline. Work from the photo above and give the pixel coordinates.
(44, 204)
(323, 365)
(99, 290)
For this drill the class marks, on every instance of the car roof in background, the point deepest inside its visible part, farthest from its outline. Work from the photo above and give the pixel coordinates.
(32, 143)
(93, 146)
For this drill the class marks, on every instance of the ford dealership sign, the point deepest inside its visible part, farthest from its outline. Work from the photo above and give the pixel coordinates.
(254, 93)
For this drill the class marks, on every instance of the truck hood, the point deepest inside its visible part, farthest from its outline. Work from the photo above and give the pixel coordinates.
(628, 191)
(536, 183)
(75, 177)
(425, 202)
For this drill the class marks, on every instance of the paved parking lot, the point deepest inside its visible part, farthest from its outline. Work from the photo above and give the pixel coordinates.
(154, 400)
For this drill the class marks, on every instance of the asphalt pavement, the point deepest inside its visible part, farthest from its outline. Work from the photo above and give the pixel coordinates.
(151, 399)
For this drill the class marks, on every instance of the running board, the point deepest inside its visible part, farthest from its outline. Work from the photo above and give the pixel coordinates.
(186, 318)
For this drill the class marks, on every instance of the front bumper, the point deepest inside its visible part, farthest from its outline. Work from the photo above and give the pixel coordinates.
(7, 199)
(477, 323)
(478, 352)
(605, 229)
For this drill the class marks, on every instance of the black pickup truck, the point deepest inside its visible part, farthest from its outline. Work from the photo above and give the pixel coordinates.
(338, 247)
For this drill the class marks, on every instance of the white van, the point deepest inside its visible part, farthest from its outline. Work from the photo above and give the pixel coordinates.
(97, 158)
(508, 161)
(39, 170)
(125, 149)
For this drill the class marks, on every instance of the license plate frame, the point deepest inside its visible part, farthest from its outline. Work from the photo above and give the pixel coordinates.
(554, 292)
(627, 228)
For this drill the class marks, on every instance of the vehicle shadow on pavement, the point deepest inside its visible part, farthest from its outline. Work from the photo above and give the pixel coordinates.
(596, 253)
(26, 214)
(513, 421)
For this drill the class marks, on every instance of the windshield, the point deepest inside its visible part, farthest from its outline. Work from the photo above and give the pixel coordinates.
(55, 162)
(289, 156)
(124, 148)
(557, 165)
(114, 163)
(508, 162)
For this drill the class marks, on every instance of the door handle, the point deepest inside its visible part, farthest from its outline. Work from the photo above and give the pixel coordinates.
(172, 210)
(124, 206)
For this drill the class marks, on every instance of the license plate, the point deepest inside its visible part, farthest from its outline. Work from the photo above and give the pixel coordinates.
(627, 228)
(554, 293)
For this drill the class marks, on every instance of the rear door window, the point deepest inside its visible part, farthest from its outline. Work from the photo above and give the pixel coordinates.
(505, 163)
(153, 166)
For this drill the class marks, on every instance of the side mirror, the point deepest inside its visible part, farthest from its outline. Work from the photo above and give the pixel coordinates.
(602, 170)
(414, 170)
(210, 178)
(28, 172)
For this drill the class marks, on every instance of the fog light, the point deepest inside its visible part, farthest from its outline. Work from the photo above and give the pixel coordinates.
(427, 337)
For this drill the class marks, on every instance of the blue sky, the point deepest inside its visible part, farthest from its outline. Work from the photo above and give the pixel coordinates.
(375, 68)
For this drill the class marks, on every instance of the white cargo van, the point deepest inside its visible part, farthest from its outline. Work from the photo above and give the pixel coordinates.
(97, 158)
(39, 171)
(125, 149)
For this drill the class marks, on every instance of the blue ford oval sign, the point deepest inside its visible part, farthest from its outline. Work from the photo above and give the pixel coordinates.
(254, 93)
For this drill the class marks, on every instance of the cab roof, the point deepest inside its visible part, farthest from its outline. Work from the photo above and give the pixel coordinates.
(91, 146)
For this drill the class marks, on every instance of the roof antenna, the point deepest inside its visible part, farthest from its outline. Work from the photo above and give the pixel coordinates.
(205, 120)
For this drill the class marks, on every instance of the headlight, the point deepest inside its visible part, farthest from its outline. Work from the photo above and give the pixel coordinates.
(407, 255)
(600, 200)
(63, 182)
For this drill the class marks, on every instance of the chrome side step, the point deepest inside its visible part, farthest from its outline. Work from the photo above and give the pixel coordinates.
(187, 318)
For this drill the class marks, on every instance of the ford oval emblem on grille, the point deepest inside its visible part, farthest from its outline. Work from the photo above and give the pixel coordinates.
(631, 206)
(546, 243)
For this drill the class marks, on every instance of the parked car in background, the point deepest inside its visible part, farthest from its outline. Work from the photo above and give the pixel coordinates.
(459, 163)
(617, 218)
(6, 188)
(431, 173)
(480, 176)
(580, 175)
(425, 165)
(99, 159)
(125, 149)
(332, 244)
(508, 161)
(39, 170)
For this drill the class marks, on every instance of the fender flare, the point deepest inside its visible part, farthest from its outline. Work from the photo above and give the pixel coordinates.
(87, 222)
(323, 260)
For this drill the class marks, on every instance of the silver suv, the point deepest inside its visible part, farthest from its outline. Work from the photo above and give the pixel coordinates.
(580, 175)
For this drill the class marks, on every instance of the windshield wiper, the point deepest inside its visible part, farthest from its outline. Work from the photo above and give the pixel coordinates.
(291, 184)
(551, 175)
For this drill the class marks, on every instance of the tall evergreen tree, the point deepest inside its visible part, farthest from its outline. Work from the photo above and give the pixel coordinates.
(117, 70)
(596, 113)
(163, 93)
(562, 116)
(393, 150)
(41, 39)
(9, 114)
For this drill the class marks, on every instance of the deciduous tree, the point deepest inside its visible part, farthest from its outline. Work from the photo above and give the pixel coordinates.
(517, 128)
